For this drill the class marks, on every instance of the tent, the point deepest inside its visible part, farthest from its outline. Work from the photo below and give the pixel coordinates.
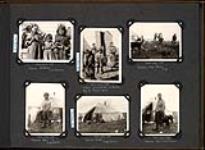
(102, 113)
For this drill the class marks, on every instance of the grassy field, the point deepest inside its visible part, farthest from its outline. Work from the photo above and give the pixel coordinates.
(54, 128)
(155, 50)
(148, 129)
(108, 127)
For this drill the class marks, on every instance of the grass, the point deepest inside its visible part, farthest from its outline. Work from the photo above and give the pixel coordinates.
(54, 128)
(107, 127)
(154, 50)
(148, 129)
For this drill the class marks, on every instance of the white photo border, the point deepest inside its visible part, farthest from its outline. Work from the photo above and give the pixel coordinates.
(64, 130)
(168, 60)
(81, 79)
(71, 21)
(178, 133)
(124, 134)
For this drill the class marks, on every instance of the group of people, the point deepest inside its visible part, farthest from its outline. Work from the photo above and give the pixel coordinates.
(158, 37)
(99, 60)
(43, 46)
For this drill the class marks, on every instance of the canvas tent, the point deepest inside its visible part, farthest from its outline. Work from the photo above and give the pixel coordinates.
(103, 113)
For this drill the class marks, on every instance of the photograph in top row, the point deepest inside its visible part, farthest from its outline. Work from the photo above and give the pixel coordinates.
(45, 41)
(155, 42)
(100, 48)
(101, 55)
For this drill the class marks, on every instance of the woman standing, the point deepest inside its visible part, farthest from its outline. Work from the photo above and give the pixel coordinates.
(36, 43)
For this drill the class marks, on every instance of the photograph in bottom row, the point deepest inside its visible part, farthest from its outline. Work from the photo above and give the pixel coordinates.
(102, 116)
(160, 110)
(45, 109)
(45, 106)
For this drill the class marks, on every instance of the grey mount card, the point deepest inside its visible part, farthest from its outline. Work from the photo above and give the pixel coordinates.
(4, 77)
(101, 75)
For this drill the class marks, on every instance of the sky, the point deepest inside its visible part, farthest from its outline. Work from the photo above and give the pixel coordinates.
(35, 92)
(148, 30)
(34, 98)
(89, 35)
(170, 94)
(47, 26)
(119, 103)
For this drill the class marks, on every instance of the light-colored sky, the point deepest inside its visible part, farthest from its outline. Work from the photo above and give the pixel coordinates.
(119, 103)
(148, 30)
(47, 26)
(170, 94)
(90, 35)
(35, 92)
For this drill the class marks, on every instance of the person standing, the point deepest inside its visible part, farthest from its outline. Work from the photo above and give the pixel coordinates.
(159, 111)
(62, 43)
(98, 62)
(46, 110)
(112, 56)
(92, 62)
(36, 43)
(48, 47)
(26, 41)
(90, 71)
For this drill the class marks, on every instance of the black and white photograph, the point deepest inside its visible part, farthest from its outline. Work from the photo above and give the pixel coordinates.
(101, 55)
(155, 41)
(102, 116)
(45, 109)
(46, 41)
(160, 110)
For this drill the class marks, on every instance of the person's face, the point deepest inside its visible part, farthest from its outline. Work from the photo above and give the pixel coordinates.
(34, 29)
(29, 29)
(61, 32)
(46, 96)
(49, 39)
(159, 96)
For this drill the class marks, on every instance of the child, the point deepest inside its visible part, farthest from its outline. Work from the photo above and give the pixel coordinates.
(48, 47)
(46, 110)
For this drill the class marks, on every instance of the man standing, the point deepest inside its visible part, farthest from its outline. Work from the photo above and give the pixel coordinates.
(46, 110)
(91, 61)
(112, 56)
(159, 111)
(99, 61)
